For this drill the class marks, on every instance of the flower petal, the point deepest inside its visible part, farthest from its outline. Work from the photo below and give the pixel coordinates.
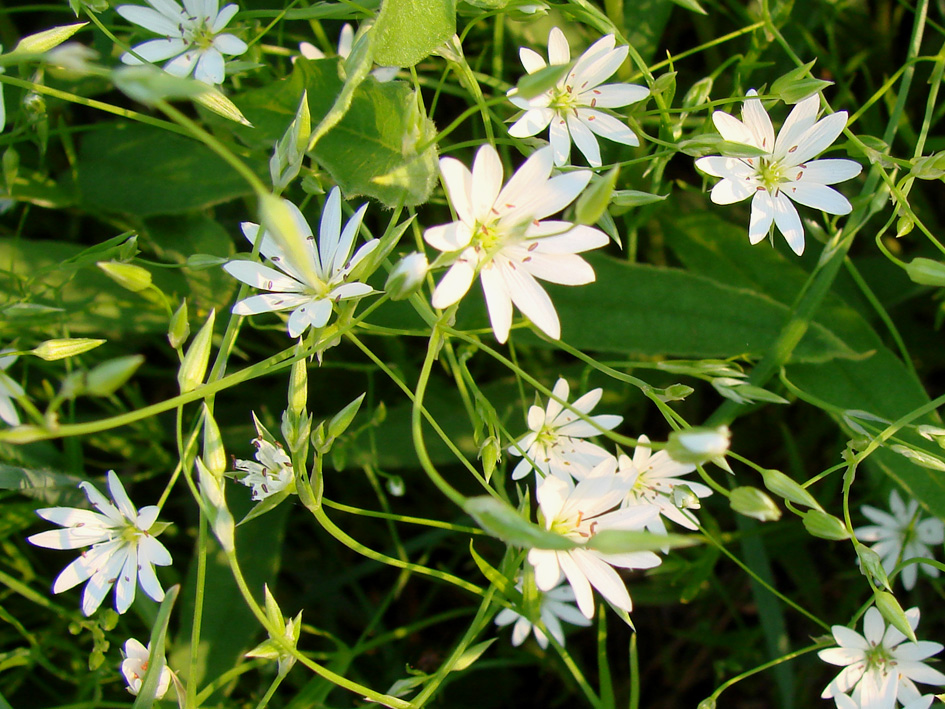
(458, 180)
(498, 301)
(534, 121)
(531, 60)
(817, 196)
(558, 50)
(762, 215)
(584, 140)
(454, 285)
(789, 223)
(607, 126)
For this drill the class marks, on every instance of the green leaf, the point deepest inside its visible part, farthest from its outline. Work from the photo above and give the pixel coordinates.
(52, 488)
(141, 170)
(669, 315)
(620, 541)
(149, 684)
(926, 272)
(409, 30)
(537, 83)
(502, 521)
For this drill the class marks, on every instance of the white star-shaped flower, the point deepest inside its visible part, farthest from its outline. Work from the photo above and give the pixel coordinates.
(123, 551)
(190, 37)
(500, 236)
(902, 534)
(135, 665)
(654, 478)
(786, 172)
(878, 666)
(273, 473)
(9, 390)
(579, 512)
(309, 290)
(571, 109)
(556, 605)
(555, 442)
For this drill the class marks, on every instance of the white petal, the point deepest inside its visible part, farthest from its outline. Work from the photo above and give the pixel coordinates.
(817, 196)
(607, 126)
(762, 215)
(102, 503)
(155, 50)
(730, 191)
(816, 139)
(547, 570)
(758, 122)
(150, 19)
(329, 232)
(262, 277)
(534, 121)
(449, 237)
(521, 630)
(532, 300)
(531, 60)
(731, 168)
(515, 198)
(565, 269)
(269, 302)
(348, 236)
(182, 65)
(558, 50)
(73, 538)
(127, 580)
(458, 180)
(584, 140)
(789, 223)
(314, 313)
(498, 302)
(560, 140)
(223, 18)
(7, 412)
(732, 129)
(614, 95)
(229, 44)
(830, 171)
(152, 551)
(873, 625)
(801, 118)
(487, 180)
(603, 577)
(582, 587)
(557, 193)
(454, 284)
(556, 237)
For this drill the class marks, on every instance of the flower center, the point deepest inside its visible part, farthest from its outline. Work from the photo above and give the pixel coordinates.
(201, 35)
(563, 99)
(878, 658)
(130, 534)
(771, 174)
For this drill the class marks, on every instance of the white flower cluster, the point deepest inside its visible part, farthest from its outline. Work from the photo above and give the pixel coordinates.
(583, 490)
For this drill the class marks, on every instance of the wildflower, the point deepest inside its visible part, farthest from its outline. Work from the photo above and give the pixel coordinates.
(878, 666)
(123, 550)
(407, 276)
(556, 605)
(785, 172)
(655, 478)
(500, 237)
(311, 289)
(190, 37)
(135, 665)
(570, 109)
(9, 390)
(902, 534)
(273, 473)
(345, 43)
(554, 444)
(579, 512)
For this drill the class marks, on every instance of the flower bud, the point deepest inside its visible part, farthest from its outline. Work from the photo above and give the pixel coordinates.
(700, 445)
(752, 502)
(871, 564)
(783, 486)
(893, 613)
(820, 524)
(194, 366)
(407, 276)
(47, 39)
(179, 328)
(213, 453)
(211, 492)
(109, 376)
(51, 350)
(127, 275)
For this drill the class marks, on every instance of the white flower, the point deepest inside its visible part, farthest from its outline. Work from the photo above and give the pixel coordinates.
(273, 473)
(878, 666)
(311, 289)
(123, 551)
(571, 107)
(654, 478)
(407, 276)
(786, 172)
(190, 37)
(500, 237)
(135, 665)
(902, 534)
(345, 43)
(556, 605)
(554, 444)
(9, 390)
(579, 512)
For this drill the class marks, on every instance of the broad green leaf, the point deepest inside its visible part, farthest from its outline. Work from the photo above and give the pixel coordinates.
(643, 310)
(145, 171)
(374, 150)
(409, 30)
(52, 488)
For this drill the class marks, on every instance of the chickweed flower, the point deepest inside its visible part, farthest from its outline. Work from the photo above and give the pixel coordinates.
(571, 108)
(191, 37)
(785, 172)
(123, 549)
(878, 666)
(273, 473)
(500, 236)
(555, 443)
(579, 512)
(135, 665)
(310, 290)
(556, 605)
(902, 534)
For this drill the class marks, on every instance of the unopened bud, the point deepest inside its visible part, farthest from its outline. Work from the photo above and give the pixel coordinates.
(127, 275)
(194, 366)
(407, 276)
(179, 328)
(820, 524)
(51, 350)
(109, 376)
(700, 445)
(871, 564)
(893, 613)
(783, 486)
(752, 502)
